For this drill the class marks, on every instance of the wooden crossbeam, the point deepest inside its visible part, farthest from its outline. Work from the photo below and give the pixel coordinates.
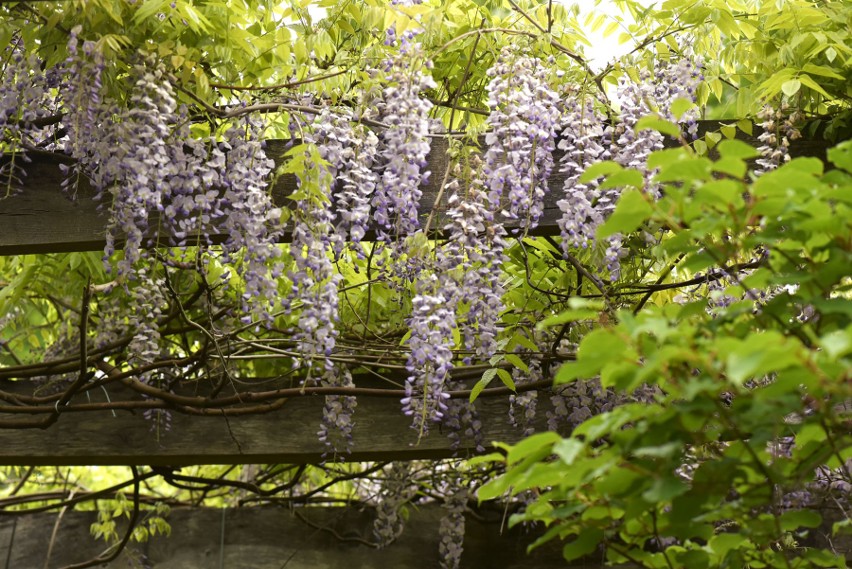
(285, 435)
(40, 219)
(272, 538)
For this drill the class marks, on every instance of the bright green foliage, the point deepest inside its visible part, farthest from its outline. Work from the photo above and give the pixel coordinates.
(697, 479)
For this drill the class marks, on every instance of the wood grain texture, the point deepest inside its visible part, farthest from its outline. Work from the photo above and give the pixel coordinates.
(276, 538)
(286, 435)
(272, 538)
(41, 219)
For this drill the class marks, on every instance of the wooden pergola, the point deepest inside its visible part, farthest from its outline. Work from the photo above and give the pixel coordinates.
(40, 219)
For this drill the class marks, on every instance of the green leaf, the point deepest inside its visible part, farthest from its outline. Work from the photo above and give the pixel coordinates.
(791, 87)
(791, 521)
(623, 178)
(664, 489)
(534, 443)
(729, 131)
(712, 139)
(571, 371)
(568, 450)
(737, 149)
(506, 378)
(517, 362)
(580, 309)
(823, 71)
(660, 125)
(587, 542)
(630, 213)
(810, 83)
(679, 106)
(841, 155)
(746, 126)
(487, 376)
(599, 169)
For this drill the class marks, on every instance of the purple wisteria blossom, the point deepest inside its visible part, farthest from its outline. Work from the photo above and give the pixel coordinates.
(584, 205)
(396, 491)
(24, 96)
(315, 282)
(451, 529)
(336, 428)
(351, 150)
(470, 264)
(196, 175)
(653, 94)
(522, 407)
(251, 219)
(523, 121)
(405, 143)
(81, 89)
(778, 129)
(430, 359)
(585, 140)
(148, 305)
(143, 155)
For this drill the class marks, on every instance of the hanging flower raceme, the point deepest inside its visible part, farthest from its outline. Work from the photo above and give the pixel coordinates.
(584, 205)
(654, 93)
(522, 407)
(315, 282)
(405, 142)
(451, 529)
(251, 219)
(24, 90)
(81, 90)
(396, 491)
(432, 323)
(193, 197)
(143, 159)
(148, 303)
(350, 151)
(523, 121)
(471, 265)
(777, 132)
(336, 428)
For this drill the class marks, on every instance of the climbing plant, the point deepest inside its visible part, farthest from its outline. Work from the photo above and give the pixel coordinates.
(687, 291)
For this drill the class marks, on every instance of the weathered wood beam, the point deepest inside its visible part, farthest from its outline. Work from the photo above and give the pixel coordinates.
(305, 538)
(272, 538)
(42, 220)
(285, 435)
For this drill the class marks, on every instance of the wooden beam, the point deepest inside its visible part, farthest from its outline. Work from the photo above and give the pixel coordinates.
(272, 538)
(285, 435)
(41, 219)
(304, 538)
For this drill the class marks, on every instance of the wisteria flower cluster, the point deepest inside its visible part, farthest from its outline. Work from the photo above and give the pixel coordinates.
(466, 274)
(396, 492)
(315, 282)
(351, 150)
(145, 157)
(143, 161)
(432, 323)
(81, 87)
(451, 529)
(586, 139)
(149, 302)
(778, 129)
(583, 141)
(405, 111)
(470, 263)
(336, 428)
(524, 118)
(251, 218)
(24, 98)
(522, 407)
